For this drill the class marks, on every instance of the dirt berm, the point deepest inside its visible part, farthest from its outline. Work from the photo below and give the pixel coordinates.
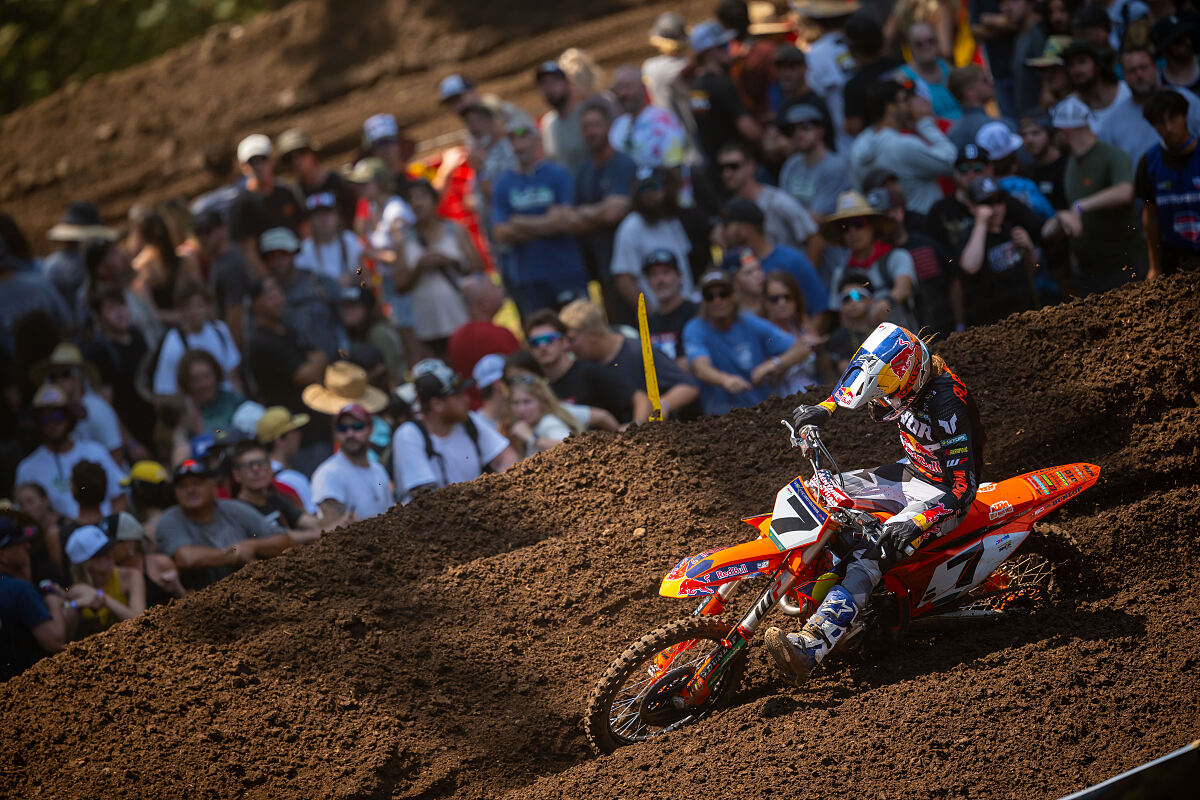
(445, 649)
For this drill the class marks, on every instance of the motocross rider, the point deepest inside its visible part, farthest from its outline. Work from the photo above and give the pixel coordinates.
(927, 493)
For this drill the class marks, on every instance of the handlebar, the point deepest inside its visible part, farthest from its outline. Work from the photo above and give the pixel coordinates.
(809, 441)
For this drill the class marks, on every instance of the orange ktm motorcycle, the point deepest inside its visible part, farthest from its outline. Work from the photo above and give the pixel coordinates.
(681, 672)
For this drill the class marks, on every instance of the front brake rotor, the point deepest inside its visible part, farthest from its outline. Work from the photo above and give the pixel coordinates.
(656, 707)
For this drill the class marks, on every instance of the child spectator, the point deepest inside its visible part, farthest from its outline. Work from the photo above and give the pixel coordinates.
(329, 249)
(539, 421)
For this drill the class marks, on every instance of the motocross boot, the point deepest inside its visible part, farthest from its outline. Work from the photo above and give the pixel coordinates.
(797, 653)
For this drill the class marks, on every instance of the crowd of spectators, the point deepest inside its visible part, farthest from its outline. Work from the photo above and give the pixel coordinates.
(222, 378)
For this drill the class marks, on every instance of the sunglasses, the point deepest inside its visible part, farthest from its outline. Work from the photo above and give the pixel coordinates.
(352, 426)
(973, 166)
(854, 295)
(854, 224)
(54, 415)
(802, 126)
(544, 340)
(255, 464)
(778, 298)
(521, 380)
(718, 294)
(731, 166)
(521, 131)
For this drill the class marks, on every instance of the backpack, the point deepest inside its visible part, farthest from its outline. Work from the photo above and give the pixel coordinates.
(435, 457)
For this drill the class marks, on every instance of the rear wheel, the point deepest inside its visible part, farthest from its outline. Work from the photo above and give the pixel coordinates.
(1024, 582)
(632, 701)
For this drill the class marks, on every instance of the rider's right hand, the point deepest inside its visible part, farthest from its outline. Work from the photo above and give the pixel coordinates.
(810, 415)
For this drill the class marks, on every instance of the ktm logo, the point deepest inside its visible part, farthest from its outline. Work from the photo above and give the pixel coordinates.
(999, 510)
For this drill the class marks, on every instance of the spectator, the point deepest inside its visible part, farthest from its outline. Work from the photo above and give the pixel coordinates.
(349, 482)
(745, 226)
(864, 37)
(590, 338)
(479, 336)
(651, 135)
(150, 494)
(857, 318)
(297, 153)
(866, 233)
(1121, 14)
(1173, 39)
(280, 358)
(735, 355)
(208, 538)
(262, 204)
(78, 379)
(49, 466)
(998, 36)
(829, 62)
(1166, 180)
(562, 136)
(973, 89)
(209, 405)
(1126, 127)
(365, 326)
(785, 310)
(490, 154)
(227, 273)
(31, 625)
(22, 292)
(751, 51)
(133, 549)
(998, 260)
(278, 430)
(218, 164)
(329, 250)
(1094, 79)
(539, 421)
(668, 35)
(653, 224)
(603, 184)
(584, 383)
(527, 214)
(927, 68)
(489, 382)
(196, 331)
(785, 220)
(434, 255)
(1029, 42)
(311, 300)
(720, 115)
(917, 160)
(252, 475)
(64, 268)
(1049, 162)
(791, 87)
(812, 174)
(381, 140)
(450, 443)
(33, 501)
(1001, 146)
(1052, 72)
(1100, 223)
(158, 268)
(105, 592)
(749, 280)
(939, 294)
(672, 310)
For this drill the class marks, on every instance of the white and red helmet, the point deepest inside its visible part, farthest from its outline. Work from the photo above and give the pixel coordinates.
(891, 367)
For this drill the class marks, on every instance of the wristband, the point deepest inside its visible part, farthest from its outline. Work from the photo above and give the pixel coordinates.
(1078, 207)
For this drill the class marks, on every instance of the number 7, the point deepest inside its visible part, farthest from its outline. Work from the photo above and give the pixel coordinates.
(971, 558)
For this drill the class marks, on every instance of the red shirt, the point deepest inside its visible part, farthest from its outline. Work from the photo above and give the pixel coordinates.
(474, 340)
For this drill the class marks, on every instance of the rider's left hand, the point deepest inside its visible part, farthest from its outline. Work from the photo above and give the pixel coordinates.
(901, 535)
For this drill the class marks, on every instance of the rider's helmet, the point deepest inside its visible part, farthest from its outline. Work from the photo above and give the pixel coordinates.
(891, 367)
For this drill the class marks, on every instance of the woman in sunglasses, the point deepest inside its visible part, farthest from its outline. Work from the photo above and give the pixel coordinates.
(784, 303)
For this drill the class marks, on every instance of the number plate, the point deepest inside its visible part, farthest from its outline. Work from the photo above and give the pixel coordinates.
(797, 519)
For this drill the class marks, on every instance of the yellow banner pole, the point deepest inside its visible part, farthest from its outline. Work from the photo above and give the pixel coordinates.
(648, 362)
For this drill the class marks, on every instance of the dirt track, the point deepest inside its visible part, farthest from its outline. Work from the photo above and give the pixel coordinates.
(445, 649)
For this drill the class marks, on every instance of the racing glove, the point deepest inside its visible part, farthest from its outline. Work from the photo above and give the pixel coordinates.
(902, 534)
(810, 415)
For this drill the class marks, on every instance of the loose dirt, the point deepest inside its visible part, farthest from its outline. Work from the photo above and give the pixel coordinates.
(446, 648)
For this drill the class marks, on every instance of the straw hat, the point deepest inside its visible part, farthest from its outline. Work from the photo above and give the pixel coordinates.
(851, 205)
(64, 354)
(344, 383)
(825, 9)
(765, 20)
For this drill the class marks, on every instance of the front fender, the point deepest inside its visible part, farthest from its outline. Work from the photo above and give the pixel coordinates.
(701, 574)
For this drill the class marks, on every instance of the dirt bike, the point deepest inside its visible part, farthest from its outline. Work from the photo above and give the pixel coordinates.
(681, 672)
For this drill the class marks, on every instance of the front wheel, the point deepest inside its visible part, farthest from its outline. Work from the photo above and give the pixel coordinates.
(631, 703)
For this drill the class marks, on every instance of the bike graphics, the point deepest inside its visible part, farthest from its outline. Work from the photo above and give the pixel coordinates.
(683, 671)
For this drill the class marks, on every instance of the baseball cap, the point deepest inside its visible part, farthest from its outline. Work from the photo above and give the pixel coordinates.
(245, 418)
(715, 277)
(276, 421)
(15, 527)
(789, 54)
(353, 410)
(971, 152)
(278, 239)
(320, 200)
(880, 198)
(985, 190)
(488, 370)
(709, 34)
(191, 468)
(998, 140)
(435, 378)
(452, 86)
(669, 25)
(292, 140)
(802, 112)
(254, 145)
(379, 128)
(548, 68)
(146, 472)
(739, 209)
(87, 541)
(519, 124)
(660, 255)
(1071, 113)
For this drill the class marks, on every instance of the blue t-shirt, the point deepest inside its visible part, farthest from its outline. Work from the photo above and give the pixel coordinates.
(796, 264)
(553, 260)
(21, 610)
(592, 184)
(1028, 193)
(737, 351)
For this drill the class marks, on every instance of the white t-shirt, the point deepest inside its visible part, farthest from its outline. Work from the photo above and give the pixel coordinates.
(364, 491)
(455, 457)
(333, 259)
(396, 210)
(101, 425)
(214, 338)
(52, 471)
(634, 240)
(548, 427)
(297, 483)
